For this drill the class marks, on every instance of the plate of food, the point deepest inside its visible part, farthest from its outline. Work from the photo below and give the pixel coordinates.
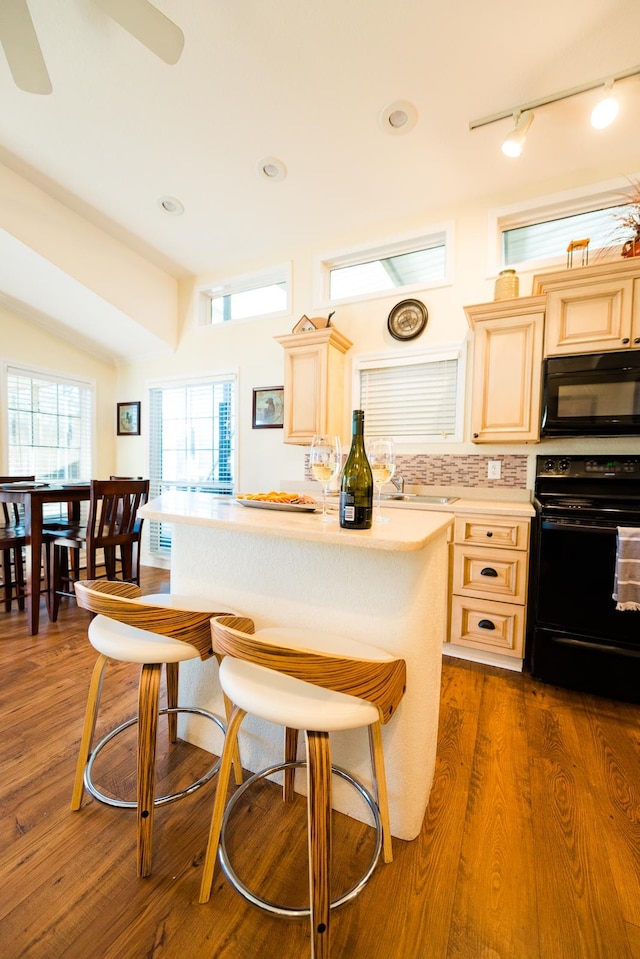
(291, 502)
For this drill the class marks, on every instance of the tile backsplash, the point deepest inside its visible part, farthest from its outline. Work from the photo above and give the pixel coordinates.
(449, 469)
(463, 470)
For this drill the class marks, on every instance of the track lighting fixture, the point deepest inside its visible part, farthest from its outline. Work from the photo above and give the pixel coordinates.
(513, 143)
(602, 115)
(606, 110)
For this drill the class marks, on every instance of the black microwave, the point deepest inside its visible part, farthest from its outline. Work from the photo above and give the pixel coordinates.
(592, 394)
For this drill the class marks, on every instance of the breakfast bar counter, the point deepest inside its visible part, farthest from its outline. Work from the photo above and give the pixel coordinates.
(386, 586)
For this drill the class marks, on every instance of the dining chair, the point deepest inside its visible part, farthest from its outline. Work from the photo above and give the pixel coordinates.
(133, 549)
(153, 630)
(112, 526)
(321, 683)
(12, 544)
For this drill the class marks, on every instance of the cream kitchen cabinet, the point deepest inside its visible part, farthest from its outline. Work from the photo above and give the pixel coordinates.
(313, 383)
(489, 574)
(592, 309)
(507, 366)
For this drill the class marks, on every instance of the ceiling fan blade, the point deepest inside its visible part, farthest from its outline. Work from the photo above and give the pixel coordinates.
(21, 47)
(141, 19)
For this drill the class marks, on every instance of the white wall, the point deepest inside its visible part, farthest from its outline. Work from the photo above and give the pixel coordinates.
(249, 346)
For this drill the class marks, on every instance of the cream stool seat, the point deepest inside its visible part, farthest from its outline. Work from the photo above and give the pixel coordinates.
(320, 683)
(153, 630)
(129, 644)
(285, 701)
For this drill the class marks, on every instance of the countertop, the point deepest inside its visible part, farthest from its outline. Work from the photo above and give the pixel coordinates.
(407, 529)
(465, 504)
(500, 502)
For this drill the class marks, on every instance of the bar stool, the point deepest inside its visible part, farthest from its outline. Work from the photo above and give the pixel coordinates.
(151, 630)
(320, 683)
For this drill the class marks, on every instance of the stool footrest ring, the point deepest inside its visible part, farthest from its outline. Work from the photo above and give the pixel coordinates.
(161, 800)
(272, 907)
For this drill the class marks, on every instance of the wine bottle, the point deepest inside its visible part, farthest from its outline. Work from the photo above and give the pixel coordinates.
(356, 485)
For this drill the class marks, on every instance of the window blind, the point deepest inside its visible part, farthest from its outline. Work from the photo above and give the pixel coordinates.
(551, 237)
(414, 402)
(191, 442)
(50, 425)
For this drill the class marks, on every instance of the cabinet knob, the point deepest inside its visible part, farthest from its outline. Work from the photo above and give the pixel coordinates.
(489, 534)
(625, 339)
(486, 624)
(488, 571)
(475, 436)
(637, 339)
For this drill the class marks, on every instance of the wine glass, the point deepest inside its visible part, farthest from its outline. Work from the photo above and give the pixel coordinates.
(382, 460)
(325, 461)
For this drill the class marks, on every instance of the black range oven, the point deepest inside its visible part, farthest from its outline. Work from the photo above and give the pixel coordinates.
(577, 638)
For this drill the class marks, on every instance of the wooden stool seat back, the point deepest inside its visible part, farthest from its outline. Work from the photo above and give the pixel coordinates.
(379, 681)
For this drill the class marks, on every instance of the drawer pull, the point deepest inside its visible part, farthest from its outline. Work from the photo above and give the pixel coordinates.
(486, 624)
(488, 571)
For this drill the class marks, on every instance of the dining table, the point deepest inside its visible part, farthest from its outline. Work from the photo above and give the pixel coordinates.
(34, 497)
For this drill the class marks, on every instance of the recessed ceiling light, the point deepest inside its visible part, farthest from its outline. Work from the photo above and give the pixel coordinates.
(169, 204)
(272, 169)
(398, 117)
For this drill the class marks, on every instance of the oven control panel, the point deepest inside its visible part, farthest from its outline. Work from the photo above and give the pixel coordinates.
(627, 467)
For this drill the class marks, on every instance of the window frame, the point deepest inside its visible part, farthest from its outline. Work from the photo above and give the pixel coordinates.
(243, 283)
(552, 206)
(56, 377)
(155, 534)
(435, 354)
(364, 253)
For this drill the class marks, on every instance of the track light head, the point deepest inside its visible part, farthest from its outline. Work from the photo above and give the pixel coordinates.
(606, 110)
(513, 143)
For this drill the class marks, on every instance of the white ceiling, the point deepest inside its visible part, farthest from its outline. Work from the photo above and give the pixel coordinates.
(305, 81)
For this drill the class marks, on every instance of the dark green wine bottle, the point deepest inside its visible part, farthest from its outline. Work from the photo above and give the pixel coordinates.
(356, 486)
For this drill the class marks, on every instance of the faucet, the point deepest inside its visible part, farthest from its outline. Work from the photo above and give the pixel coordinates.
(398, 481)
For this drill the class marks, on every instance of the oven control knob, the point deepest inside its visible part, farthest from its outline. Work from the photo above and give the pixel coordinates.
(563, 465)
(549, 466)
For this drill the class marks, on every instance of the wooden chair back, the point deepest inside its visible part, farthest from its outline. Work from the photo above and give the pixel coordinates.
(113, 507)
(12, 512)
(115, 600)
(378, 681)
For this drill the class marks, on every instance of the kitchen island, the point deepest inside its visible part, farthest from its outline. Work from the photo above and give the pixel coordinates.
(386, 586)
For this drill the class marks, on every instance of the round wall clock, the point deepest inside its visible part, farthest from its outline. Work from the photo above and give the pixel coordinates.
(407, 319)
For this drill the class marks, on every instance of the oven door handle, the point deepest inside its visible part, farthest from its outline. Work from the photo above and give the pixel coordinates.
(577, 527)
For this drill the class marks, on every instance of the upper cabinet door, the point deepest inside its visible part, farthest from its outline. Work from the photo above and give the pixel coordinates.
(589, 318)
(313, 384)
(592, 309)
(507, 365)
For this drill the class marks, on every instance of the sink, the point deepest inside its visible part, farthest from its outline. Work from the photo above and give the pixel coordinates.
(436, 499)
(418, 498)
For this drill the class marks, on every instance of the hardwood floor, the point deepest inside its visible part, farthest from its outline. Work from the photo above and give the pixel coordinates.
(530, 847)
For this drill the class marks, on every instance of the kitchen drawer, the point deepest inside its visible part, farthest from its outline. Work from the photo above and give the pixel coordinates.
(499, 574)
(494, 531)
(481, 624)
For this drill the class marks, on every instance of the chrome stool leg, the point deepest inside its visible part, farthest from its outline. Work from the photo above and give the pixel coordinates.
(160, 800)
(275, 908)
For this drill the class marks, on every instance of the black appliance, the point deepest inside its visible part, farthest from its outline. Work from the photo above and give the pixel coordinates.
(592, 394)
(576, 637)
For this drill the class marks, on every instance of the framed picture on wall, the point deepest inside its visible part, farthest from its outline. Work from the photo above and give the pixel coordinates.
(268, 408)
(128, 419)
